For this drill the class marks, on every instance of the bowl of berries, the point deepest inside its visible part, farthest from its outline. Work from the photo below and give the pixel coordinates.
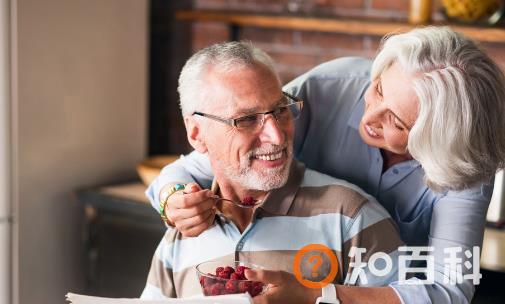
(218, 279)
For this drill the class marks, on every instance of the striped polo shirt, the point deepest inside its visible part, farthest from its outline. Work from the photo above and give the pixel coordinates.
(312, 208)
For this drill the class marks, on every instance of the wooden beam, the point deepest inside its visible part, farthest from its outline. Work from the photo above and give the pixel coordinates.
(340, 25)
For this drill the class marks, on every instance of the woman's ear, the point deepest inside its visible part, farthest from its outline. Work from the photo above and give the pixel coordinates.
(194, 134)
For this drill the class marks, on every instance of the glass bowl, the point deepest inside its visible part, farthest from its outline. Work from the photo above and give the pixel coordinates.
(218, 278)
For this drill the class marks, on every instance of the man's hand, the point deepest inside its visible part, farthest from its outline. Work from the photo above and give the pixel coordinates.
(192, 210)
(283, 287)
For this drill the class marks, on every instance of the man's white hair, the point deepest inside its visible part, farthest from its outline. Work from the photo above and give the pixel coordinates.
(228, 57)
(459, 135)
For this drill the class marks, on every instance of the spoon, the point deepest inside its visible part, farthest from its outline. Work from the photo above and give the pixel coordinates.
(247, 202)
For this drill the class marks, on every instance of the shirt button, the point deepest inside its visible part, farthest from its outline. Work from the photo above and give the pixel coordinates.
(395, 171)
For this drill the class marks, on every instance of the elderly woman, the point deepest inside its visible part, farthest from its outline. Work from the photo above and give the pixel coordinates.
(420, 128)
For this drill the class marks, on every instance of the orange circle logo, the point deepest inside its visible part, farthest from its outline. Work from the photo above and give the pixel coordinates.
(297, 265)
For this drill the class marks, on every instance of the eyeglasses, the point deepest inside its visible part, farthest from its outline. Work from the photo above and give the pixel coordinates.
(290, 110)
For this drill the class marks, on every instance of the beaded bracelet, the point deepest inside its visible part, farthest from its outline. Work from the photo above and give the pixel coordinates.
(163, 203)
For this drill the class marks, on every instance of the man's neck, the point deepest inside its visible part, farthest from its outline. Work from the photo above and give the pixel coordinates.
(242, 217)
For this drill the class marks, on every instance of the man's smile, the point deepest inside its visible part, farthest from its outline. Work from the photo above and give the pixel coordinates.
(271, 160)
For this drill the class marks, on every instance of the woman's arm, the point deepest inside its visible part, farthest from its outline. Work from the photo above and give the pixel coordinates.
(366, 295)
(284, 288)
(194, 167)
(193, 212)
(458, 221)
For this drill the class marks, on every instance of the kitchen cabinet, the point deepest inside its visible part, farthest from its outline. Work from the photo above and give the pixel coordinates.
(121, 233)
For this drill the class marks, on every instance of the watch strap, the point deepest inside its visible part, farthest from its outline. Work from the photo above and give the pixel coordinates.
(328, 295)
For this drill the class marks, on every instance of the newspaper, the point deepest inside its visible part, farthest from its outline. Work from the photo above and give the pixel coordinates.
(244, 298)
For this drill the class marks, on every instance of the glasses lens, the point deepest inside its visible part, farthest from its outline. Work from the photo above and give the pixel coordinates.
(283, 114)
(248, 122)
(294, 105)
(296, 109)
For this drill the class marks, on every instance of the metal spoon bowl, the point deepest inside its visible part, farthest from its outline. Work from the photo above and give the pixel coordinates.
(239, 204)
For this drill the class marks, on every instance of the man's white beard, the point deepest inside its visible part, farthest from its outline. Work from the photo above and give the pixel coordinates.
(266, 180)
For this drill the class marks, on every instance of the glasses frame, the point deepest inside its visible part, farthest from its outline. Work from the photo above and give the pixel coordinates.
(233, 121)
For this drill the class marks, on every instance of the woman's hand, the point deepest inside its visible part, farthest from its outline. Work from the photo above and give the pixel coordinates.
(192, 210)
(283, 288)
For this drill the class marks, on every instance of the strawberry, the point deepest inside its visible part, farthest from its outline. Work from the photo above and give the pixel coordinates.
(218, 270)
(235, 276)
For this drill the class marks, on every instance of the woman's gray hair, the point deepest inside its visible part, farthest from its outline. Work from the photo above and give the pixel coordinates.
(228, 57)
(459, 135)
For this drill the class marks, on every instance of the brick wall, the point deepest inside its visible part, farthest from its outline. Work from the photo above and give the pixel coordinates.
(297, 51)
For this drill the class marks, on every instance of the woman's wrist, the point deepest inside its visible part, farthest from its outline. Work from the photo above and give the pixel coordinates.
(165, 194)
(365, 295)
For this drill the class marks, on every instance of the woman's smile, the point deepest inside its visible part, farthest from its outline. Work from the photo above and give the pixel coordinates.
(370, 131)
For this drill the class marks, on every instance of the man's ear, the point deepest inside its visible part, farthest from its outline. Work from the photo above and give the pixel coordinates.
(194, 134)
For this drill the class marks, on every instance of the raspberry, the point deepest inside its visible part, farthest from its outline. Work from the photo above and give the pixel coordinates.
(206, 291)
(230, 286)
(256, 289)
(217, 289)
(244, 286)
(224, 274)
(228, 280)
(241, 272)
(248, 201)
(207, 281)
(256, 283)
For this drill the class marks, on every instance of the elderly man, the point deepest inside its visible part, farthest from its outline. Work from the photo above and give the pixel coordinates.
(234, 111)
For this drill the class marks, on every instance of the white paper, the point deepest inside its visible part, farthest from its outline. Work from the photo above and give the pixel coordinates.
(244, 298)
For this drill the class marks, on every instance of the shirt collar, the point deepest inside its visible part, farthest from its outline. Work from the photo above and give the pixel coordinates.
(279, 201)
(356, 114)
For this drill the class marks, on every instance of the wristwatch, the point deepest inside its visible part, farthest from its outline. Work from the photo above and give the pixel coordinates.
(329, 295)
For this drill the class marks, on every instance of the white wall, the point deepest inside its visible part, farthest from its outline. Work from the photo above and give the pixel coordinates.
(80, 119)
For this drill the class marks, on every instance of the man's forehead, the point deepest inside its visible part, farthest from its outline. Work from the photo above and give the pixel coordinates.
(235, 94)
(259, 105)
(246, 104)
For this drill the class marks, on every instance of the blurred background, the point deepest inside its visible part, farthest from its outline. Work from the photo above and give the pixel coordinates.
(88, 99)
